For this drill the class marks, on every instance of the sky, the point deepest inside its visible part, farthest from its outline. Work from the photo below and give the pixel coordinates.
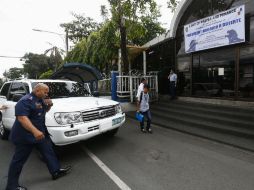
(18, 18)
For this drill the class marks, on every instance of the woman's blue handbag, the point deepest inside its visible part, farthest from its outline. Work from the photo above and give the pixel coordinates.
(139, 117)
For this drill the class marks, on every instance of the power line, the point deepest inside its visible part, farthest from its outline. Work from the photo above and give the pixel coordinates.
(6, 56)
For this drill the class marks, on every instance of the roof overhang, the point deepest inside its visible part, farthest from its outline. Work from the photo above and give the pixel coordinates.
(77, 72)
(134, 51)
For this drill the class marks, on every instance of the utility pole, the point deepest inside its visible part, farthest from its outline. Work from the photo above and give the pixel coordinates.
(66, 41)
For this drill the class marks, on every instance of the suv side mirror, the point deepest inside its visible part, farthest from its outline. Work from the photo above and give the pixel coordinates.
(3, 97)
(17, 97)
(96, 94)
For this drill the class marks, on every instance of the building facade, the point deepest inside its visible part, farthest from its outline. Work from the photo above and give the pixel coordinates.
(225, 72)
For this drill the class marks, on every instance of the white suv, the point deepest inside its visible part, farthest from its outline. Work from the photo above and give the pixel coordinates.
(75, 116)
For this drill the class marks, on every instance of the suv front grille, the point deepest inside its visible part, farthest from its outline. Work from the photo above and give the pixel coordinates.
(99, 113)
(93, 128)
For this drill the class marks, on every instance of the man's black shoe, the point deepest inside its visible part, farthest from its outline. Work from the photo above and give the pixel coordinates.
(62, 172)
(149, 131)
(17, 188)
(143, 130)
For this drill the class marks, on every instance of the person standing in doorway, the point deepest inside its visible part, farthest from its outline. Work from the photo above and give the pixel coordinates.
(172, 84)
(29, 131)
(143, 108)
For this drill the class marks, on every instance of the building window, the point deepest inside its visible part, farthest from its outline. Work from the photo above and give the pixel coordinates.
(246, 73)
(252, 29)
(184, 75)
(5, 89)
(214, 73)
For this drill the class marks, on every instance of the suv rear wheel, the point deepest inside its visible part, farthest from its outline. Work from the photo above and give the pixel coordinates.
(4, 133)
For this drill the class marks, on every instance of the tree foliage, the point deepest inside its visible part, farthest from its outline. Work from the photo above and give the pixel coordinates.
(81, 27)
(207, 6)
(149, 28)
(135, 24)
(36, 64)
(46, 75)
(172, 4)
(220, 5)
(55, 57)
(99, 49)
(1, 82)
(14, 73)
(130, 11)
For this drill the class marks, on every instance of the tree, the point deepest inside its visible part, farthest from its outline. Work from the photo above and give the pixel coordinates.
(78, 53)
(99, 49)
(81, 27)
(1, 82)
(13, 73)
(210, 5)
(46, 75)
(147, 29)
(130, 10)
(55, 58)
(172, 4)
(220, 5)
(104, 13)
(35, 65)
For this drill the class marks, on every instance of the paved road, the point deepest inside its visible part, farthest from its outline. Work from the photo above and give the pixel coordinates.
(165, 160)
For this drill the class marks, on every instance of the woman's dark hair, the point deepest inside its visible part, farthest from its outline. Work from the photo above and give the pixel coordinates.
(146, 86)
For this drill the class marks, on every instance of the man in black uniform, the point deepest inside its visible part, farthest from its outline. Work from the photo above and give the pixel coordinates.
(29, 131)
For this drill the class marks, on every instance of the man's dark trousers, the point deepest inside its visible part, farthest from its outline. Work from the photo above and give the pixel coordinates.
(172, 89)
(148, 116)
(22, 152)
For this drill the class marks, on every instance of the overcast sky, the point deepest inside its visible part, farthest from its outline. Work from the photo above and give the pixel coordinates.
(19, 17)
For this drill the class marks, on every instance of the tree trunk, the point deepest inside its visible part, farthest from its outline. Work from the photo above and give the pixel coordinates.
(107, 68)
(123, 40)
(125, 59)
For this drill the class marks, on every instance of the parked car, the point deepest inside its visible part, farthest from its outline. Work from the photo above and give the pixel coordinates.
(75, 116)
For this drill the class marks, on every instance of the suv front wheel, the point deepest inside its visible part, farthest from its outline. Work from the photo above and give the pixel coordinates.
(4, 133)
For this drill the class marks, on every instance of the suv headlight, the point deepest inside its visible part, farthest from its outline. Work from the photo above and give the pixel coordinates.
(68, 118)
(118, 108)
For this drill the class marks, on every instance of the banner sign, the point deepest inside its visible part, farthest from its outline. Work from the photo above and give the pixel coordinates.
(222, 29)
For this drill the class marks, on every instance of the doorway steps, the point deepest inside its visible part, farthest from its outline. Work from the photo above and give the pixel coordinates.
(225, 124)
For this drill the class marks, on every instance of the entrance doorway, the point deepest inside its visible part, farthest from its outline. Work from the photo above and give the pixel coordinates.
(214, 74)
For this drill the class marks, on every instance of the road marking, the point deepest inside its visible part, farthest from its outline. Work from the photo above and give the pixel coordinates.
(111, 174)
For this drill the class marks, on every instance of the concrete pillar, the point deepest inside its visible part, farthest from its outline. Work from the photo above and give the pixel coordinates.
(129, 67)
(144, 63)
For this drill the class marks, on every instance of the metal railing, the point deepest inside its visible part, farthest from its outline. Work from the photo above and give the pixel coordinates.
(127, 86)
(123, 86)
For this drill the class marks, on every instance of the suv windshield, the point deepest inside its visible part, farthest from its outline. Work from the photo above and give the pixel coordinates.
(65, 89)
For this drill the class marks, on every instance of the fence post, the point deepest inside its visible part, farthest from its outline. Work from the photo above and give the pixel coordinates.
(114, 75)
(119, 61)
(131, 88)
(144, 63)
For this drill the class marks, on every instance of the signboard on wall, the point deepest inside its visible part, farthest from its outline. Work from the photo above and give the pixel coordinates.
(222, 29)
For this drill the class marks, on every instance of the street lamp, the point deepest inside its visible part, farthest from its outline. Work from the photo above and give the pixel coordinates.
(61, 35)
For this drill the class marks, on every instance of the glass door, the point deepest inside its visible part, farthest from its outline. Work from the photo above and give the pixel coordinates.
(246, 73)
(214, 74)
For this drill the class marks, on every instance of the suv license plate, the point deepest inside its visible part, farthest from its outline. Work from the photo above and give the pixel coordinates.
(116, 121)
